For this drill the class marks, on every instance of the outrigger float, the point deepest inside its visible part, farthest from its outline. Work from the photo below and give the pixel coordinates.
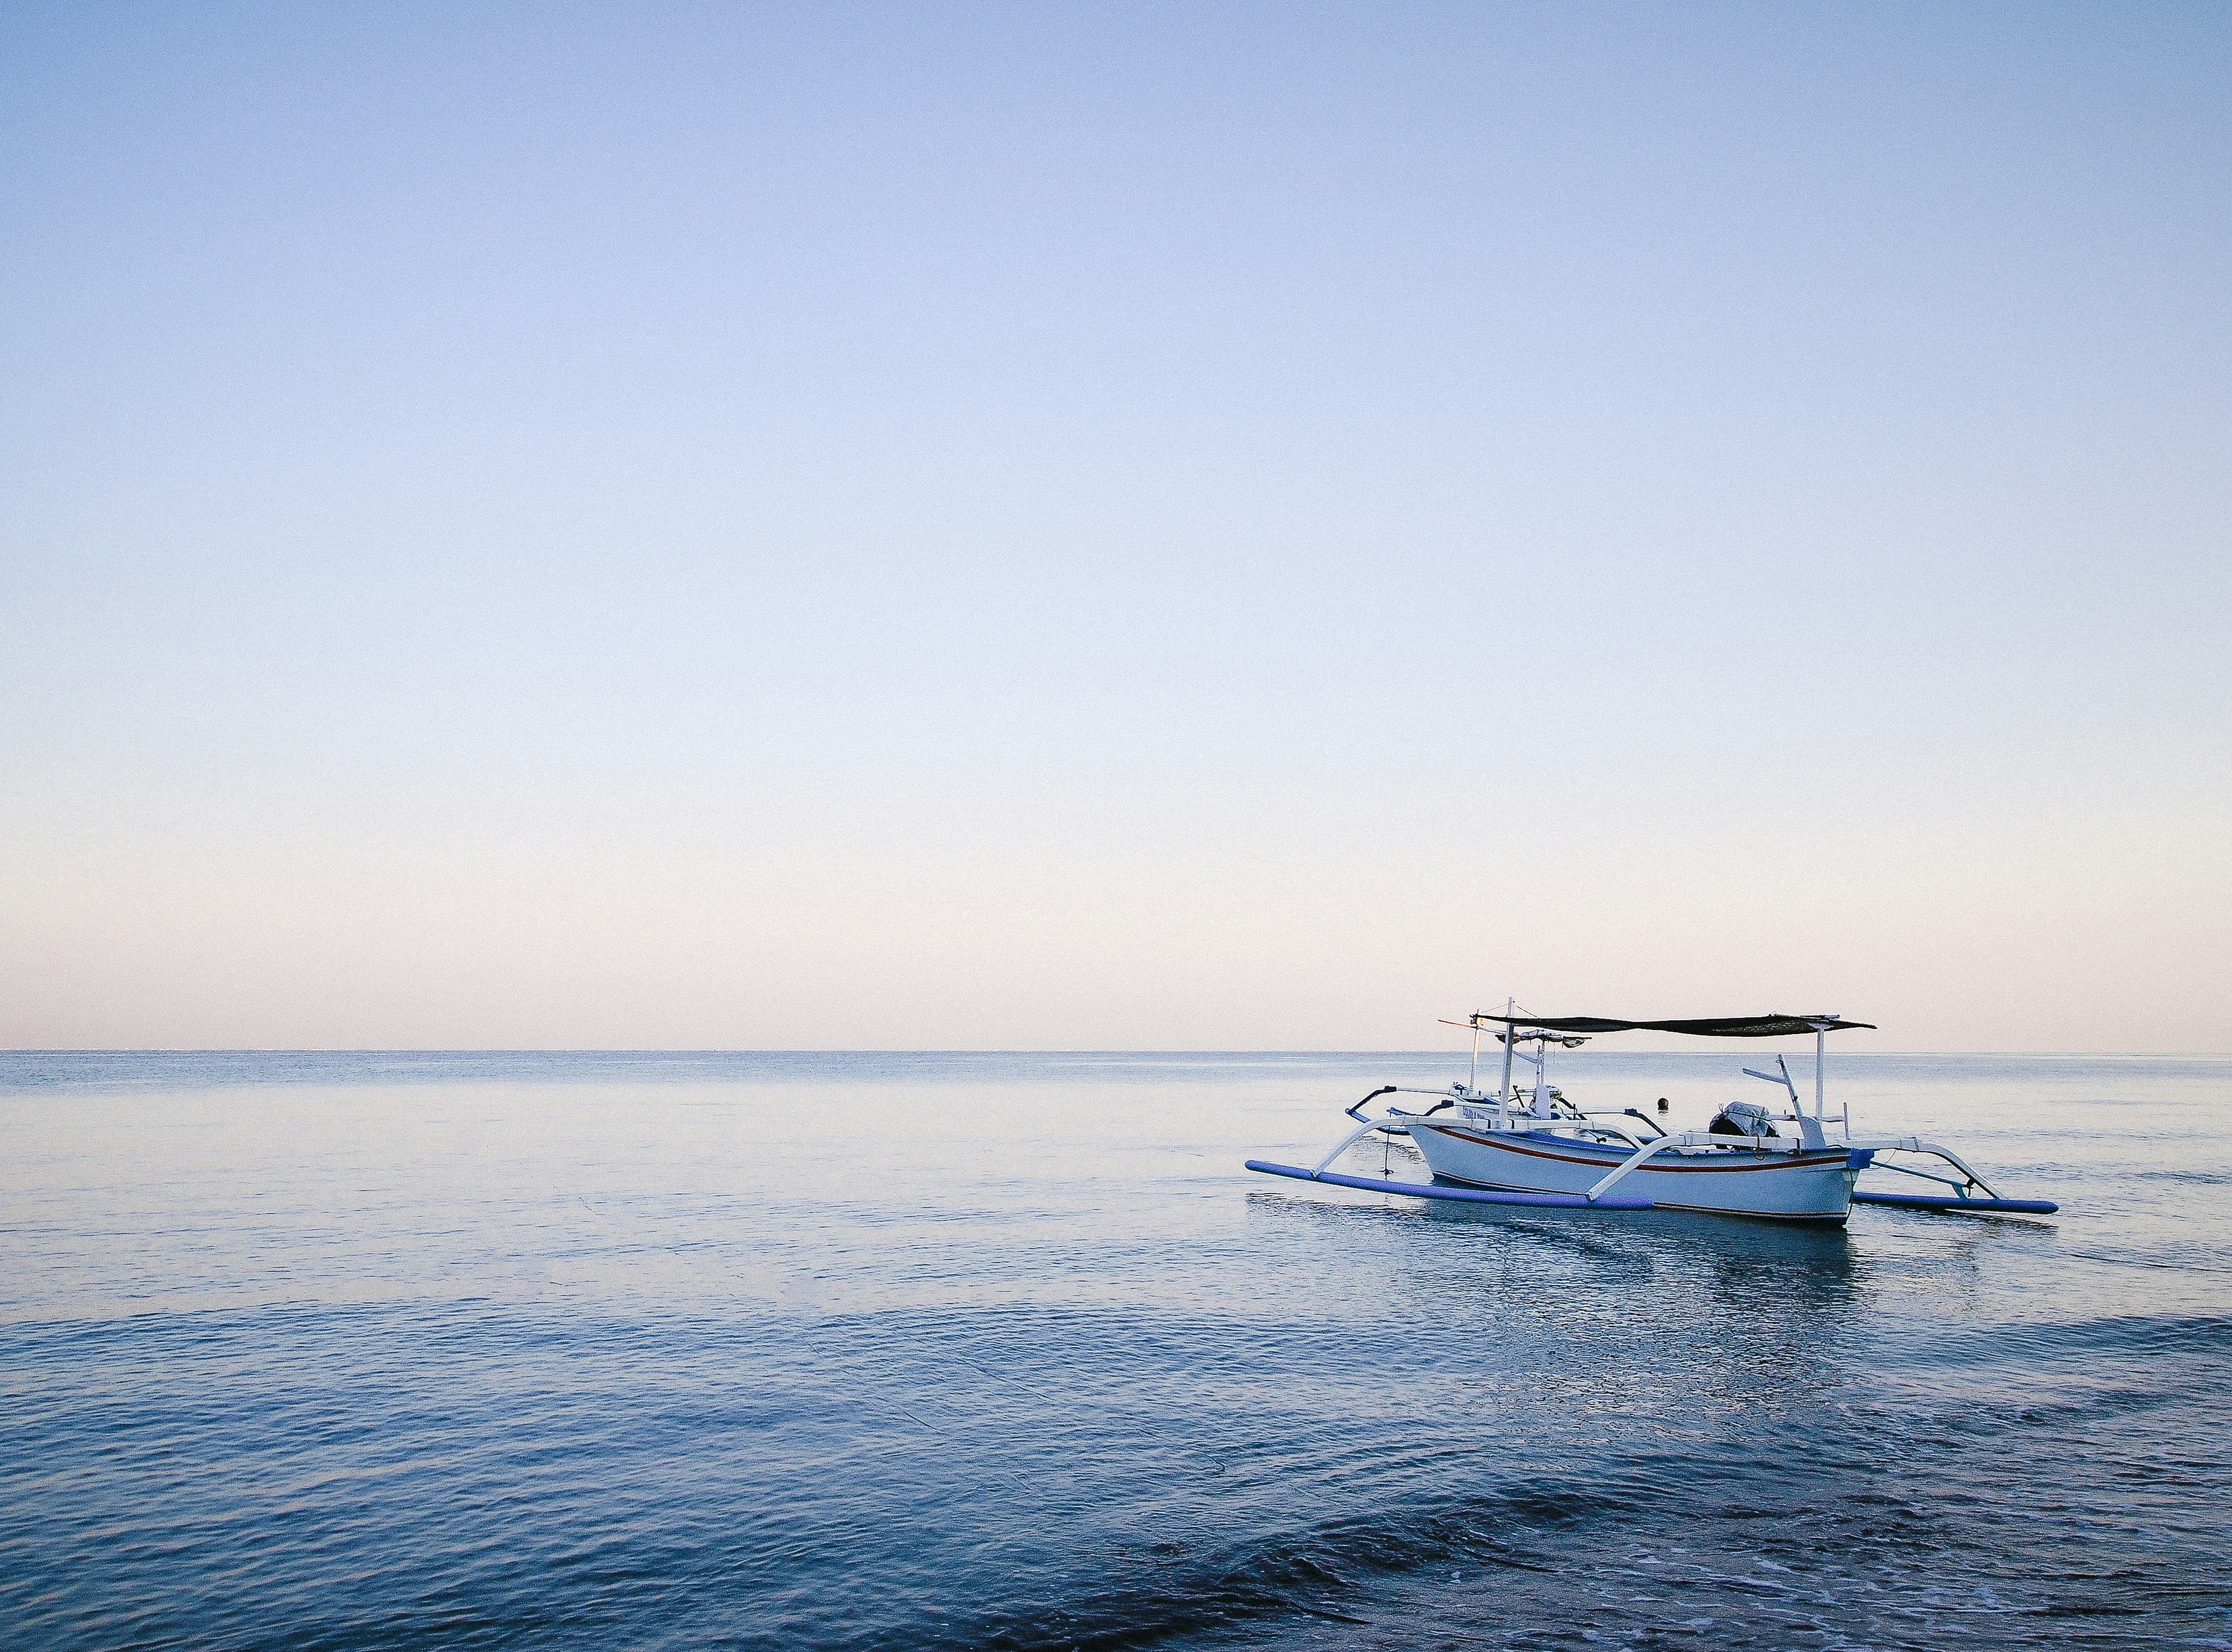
(1530, 1145)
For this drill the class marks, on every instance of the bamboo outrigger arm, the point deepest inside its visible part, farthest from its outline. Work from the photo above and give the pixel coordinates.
(1916, 1144)
(1353, 1136)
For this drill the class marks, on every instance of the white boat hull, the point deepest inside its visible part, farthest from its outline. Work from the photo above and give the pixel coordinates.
(1809, 1185)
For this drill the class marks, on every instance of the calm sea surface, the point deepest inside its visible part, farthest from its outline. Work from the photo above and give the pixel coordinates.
(923, 1351)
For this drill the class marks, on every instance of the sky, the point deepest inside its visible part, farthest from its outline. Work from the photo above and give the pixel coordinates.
(1091, 526)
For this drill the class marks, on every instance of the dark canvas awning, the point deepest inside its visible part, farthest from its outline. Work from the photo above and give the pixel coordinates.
(1742, 1026)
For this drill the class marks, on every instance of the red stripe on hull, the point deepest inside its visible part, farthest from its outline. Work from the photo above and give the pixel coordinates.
(1503, 1145)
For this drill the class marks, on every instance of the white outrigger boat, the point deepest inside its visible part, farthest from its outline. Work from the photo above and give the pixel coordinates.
(1531, 1146)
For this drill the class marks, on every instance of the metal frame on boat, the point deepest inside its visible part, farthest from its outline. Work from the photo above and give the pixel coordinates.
(1530, 1145)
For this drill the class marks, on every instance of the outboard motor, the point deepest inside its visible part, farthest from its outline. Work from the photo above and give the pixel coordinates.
(1742, 1118)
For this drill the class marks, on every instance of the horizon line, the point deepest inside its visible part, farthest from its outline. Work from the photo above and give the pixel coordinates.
(881, 1050)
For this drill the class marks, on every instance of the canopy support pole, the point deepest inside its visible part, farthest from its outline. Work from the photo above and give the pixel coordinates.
(1509, 1004)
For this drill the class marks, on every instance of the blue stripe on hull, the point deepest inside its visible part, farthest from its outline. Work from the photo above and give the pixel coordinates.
(1607, 1201)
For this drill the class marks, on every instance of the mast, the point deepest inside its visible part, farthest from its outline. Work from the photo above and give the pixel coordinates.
(1509, 1005)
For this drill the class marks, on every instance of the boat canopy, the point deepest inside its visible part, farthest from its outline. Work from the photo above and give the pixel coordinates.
(1742, 1026)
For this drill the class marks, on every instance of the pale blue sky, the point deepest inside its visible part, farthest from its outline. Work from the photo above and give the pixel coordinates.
(1189, 526)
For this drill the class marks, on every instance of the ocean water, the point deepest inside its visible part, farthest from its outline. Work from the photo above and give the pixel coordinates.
(944, 1352)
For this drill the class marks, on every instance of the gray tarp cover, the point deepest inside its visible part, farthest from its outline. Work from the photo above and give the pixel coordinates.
(1742, 1026)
